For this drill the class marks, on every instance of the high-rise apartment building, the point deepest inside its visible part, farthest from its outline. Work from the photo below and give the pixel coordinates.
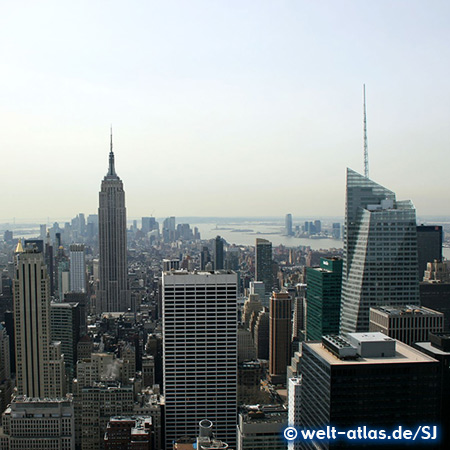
(113, 293)
(380, 252)
(323, 298)
(263, 269)
(77, 268)
(280, 335)
(200, 352)
(39, 362)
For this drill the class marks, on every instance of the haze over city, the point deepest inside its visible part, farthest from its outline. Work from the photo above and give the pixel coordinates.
(221, 108)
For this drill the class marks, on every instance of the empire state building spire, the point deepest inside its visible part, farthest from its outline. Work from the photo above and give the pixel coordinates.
(111, 170)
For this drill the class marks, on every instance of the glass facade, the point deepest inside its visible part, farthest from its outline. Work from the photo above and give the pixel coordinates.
(380, 252)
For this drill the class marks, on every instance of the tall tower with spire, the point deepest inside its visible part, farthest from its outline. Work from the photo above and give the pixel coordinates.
(113, 293)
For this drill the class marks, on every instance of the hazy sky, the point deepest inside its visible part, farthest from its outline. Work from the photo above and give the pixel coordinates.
(243, 108)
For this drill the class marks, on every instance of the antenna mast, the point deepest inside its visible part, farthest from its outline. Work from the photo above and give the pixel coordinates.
(366, 150)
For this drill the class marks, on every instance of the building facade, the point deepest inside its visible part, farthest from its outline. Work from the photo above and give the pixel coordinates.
(32, 423)
(367, 379)
(429, 246)
(380, 252)
(39, 362)
(77, 268)
(323, 298)
(408, 324)
(263, 267)
(200, 353)
(280, 335)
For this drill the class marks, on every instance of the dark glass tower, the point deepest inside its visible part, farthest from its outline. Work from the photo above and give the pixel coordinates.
(113, 294)
(218, 253)
(263, 270)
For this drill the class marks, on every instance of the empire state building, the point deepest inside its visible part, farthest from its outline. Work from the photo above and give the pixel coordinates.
(113, 293)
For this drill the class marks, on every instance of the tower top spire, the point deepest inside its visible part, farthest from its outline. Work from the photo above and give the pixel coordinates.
(111, 170)
(366, 149)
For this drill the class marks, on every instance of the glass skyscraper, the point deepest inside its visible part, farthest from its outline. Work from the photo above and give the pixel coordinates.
(380, 252)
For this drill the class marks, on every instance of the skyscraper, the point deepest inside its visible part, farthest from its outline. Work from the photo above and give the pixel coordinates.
(218, 253)
(288, 225)
(113, 294)
(429, 246)
(323, 298)
(39, 362)
(263, 269)
(200, 354)
(380, 252)
(280, 334)
(77, 268)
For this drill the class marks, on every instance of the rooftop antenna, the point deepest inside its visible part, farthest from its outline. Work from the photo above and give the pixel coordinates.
(366, 150)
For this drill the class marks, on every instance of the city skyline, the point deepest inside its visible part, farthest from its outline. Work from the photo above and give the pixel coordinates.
(200, 86)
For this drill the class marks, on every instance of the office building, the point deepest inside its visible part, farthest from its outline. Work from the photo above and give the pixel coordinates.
(408, 324)
(298, 318)
(366, 378)
(263, 268)
(39, 362)
(205, 258)
(280, 335)
(99, 403)
(251, 306)
(288, 225)
(65, 328)
(258, 287)
(262, 335)
(148, 224)
(294, 390)
(436, 295)
(6, 385)
(429, 246)
(33, 423)
(336, 230)
(200, 352)
(218, 253)
(113, 293)
(323, 298)
(131, 433)
(246, 346)
(380, 252)
(77, 268)
(261, 427)
(438, 347)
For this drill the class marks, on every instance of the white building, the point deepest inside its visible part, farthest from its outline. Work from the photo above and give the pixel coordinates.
(77, 268)
(294, 389)
(200, 353)
(32, 423)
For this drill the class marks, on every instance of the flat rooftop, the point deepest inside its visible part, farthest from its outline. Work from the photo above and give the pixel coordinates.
(406, 310)
(403, 354)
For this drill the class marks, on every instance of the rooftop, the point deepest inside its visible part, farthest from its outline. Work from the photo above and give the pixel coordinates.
(403, 354)
(412, 310)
